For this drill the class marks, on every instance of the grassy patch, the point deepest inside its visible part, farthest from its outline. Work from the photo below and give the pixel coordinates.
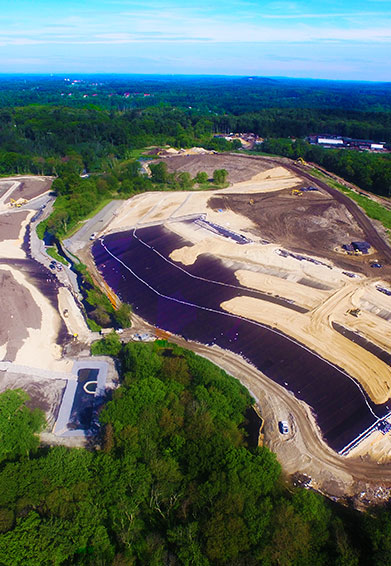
(74, 229)
(136, 153)
(209, 187)
(73, 256)
(99, 207)
(373, 209)
(41, 229)
(53, 253)
(93, 326)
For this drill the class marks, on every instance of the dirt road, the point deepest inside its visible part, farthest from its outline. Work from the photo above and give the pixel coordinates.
(360, 217)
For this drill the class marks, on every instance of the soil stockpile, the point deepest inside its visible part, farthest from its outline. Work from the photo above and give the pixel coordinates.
(239, 167)
(313, 223)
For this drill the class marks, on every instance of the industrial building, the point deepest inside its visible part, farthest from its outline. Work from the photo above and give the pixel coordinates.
(329, 141)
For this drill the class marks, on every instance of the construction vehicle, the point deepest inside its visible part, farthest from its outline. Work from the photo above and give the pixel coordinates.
(251, 201)
(354, 312)
(296, 193)
(17, 203)
(66, 313)
(300, 161)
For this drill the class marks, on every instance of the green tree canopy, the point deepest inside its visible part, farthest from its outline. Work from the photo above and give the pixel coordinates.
(201, 177)
(19, 425)
(220, 176)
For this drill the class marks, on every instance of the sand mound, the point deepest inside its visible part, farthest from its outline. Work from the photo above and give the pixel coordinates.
(314, 330)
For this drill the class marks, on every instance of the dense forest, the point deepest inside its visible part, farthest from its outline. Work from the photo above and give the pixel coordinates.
(174, 482)
(204, 94)
(55, 140)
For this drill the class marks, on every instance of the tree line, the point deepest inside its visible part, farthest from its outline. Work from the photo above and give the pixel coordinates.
(57, 140)
(301, 122)
(43, 139)
(367, 170)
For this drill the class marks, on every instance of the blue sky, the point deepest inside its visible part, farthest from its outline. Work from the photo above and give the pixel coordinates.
(329, 39)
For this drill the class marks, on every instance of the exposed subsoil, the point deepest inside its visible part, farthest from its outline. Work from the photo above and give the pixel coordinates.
(30, 188)
(10, 224)
(313, 223)
(4, 186)
(367, 225)
(18, 312)
(239, 167)
(17, 307)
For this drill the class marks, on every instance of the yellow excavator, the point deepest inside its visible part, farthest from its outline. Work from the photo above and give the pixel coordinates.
(17, 203)
(296, 193)
(300, 161)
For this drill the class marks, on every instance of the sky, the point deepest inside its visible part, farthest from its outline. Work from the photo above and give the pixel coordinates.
(329, 39)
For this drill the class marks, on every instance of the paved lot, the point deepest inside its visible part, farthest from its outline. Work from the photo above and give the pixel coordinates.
(92, 226)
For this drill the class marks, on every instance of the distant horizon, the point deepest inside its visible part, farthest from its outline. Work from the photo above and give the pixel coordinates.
(275, 38)
(173, 75)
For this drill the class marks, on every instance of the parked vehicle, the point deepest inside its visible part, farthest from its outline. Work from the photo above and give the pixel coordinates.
(283, 427)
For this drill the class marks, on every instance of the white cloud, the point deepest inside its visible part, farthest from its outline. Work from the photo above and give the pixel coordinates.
(189, 25)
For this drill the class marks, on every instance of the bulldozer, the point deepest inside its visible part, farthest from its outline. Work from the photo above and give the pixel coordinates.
(354, 312)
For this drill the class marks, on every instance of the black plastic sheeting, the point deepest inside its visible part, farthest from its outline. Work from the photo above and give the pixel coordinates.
(84, 403)
(341, 408)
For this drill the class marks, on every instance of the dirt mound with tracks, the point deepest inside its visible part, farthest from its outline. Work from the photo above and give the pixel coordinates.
(240, 168)
(313, 223)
